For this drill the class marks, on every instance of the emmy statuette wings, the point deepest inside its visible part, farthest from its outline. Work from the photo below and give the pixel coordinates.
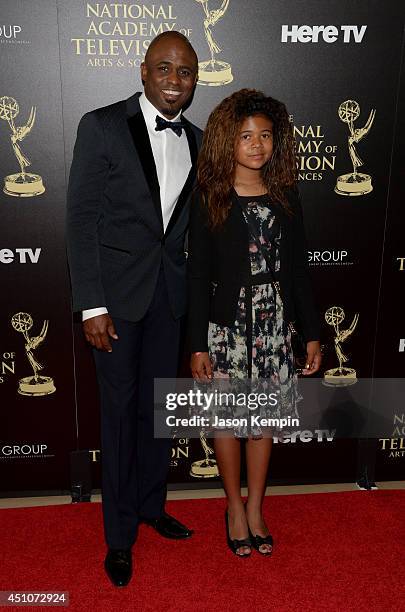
(354, 183)
(22, 184)
(37, 385)
(213, 72)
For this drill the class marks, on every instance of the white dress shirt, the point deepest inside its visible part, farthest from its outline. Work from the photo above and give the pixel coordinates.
(173, 163)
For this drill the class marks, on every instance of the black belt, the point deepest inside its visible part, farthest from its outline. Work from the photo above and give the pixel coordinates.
(258, 279)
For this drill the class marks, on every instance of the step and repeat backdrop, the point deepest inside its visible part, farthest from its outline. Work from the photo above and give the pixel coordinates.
(337, 66)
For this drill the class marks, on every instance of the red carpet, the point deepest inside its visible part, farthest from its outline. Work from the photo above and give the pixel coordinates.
(333, 551)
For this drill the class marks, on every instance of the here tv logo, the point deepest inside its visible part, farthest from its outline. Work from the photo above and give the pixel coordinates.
(322, 33)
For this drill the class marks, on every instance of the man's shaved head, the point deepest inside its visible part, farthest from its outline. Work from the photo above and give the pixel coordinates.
(167, 35)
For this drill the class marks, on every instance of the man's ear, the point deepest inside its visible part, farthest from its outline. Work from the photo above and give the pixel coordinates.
(144, 71)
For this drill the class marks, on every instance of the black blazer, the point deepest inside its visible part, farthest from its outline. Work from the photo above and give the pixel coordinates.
(115, 238)
(222, 257)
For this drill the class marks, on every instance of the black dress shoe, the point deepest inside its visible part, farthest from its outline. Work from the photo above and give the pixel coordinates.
(169, 527)
(118, 565)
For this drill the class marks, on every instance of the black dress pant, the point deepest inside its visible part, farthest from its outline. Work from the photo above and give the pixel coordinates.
(134, 463)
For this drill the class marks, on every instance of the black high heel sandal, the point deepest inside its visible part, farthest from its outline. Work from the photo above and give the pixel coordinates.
(235, 544)
(257, 541)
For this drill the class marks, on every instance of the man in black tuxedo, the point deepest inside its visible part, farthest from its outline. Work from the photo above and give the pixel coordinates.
(132, 174)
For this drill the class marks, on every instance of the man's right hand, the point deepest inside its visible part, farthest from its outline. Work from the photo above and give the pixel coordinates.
(98, 331)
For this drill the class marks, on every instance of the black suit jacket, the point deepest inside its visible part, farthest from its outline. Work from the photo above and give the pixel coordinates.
(222, 257)
(115, 238)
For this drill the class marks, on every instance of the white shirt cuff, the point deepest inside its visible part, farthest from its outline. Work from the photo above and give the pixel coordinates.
(93, 312)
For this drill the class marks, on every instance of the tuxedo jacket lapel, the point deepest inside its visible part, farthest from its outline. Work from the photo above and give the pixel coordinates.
(182, 199)
(140, 136)
(142, 144)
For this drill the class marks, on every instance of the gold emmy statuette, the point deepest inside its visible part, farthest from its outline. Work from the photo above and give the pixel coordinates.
(23, 184)
(36, 385)
(213, 72)
(340, 376)
(204, 468)
(354, 183)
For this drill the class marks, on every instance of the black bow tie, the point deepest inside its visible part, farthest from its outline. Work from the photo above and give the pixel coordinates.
(162, 124)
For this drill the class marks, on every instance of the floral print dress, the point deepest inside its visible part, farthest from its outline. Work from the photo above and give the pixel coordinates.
(258, 345)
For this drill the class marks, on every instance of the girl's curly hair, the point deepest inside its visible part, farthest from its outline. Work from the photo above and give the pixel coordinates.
(216, 162)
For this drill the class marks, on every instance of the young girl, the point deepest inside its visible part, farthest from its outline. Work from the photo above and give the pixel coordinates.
(247, 280)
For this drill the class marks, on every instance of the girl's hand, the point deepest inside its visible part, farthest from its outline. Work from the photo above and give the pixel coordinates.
(200, 365)
(314, 358)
